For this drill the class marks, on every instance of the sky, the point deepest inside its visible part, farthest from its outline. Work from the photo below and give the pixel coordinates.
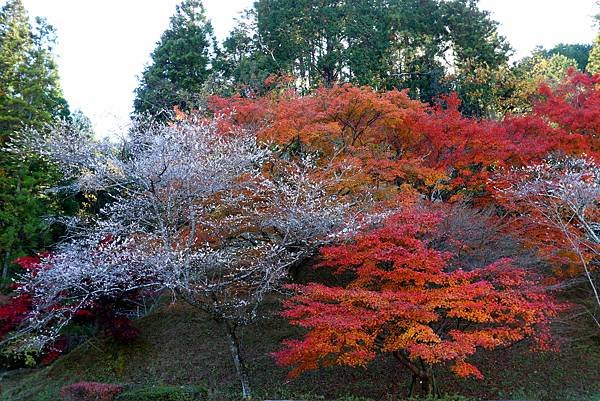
(104, 44)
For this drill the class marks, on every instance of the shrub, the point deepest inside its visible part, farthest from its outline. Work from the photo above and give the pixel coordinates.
(165, 393)
(445, 397)
(90, 391)
(122, 329)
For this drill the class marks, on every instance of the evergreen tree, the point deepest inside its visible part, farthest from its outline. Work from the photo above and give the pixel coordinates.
(323, 42)
(243, 65)
(181, 63)
(593, 66)
(406, 44)
(578, 52)
(30, 96)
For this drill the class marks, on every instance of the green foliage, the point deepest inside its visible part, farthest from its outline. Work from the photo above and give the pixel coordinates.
(48, 394)
(593, 66)
(30, 96)
(578, 52)
(385, 44)
(180, 63)
(445, 397)
(29, 87)
(492, 92)
(11, 358)
(81, 122)
(549, 68)
(241, 65)
(513, 89)
(164, 393)
(320, 45)
(486, 92)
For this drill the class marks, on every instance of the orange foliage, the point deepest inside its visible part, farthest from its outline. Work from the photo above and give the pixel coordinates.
(407, 299)
(383, 140)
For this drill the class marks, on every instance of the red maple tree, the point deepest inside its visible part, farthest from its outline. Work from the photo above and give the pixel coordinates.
(388, 140)
(408, 299)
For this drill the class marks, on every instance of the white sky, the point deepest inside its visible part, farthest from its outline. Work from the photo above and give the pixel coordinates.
(104, 45)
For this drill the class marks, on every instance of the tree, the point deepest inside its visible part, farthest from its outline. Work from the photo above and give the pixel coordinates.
(242, 65)
(305, 39)
(530, 73)
(561, 195)
(593, 66)
(385, 44)
(181, 63)
(211, 216)
(30, 95)
(578, 52)
(574, 108)
(406, 298)
(364, 134)
(487, 92)
(434, 40)
(387, 142)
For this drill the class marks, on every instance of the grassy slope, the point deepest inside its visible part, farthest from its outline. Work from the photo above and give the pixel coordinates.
(177, 347)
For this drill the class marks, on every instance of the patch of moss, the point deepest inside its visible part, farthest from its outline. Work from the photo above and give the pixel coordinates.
(164, 393)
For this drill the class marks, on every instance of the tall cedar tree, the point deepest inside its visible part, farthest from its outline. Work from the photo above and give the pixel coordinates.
(411, 44)
(181, 63)
(30, 96)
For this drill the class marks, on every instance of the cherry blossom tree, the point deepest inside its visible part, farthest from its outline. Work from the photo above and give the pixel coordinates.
(215, 218)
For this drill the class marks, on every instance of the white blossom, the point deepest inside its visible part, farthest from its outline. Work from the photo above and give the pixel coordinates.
(564, 194)
(215, 218)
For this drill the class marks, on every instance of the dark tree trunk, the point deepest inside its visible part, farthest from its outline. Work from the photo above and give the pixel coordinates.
(427, 384)
(234, 347)
(422, 376)
(5, 265)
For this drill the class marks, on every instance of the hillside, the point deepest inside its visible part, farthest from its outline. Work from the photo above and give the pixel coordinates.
(177, 347)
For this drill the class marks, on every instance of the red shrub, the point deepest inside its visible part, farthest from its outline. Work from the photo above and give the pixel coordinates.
(90, 391)
(16, 308)
(122, 330)
(13, 312)
(53, 351)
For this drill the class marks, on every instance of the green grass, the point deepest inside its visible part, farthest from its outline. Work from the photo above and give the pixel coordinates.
(178, 347)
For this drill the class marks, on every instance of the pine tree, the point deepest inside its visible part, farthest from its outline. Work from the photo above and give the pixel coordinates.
(181, 63)
(30, 96)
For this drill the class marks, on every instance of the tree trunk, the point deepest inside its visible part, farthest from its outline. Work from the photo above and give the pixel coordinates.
(234, 347)
(427, 380)
(427, 384)
(5, 265)
(422, 375)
